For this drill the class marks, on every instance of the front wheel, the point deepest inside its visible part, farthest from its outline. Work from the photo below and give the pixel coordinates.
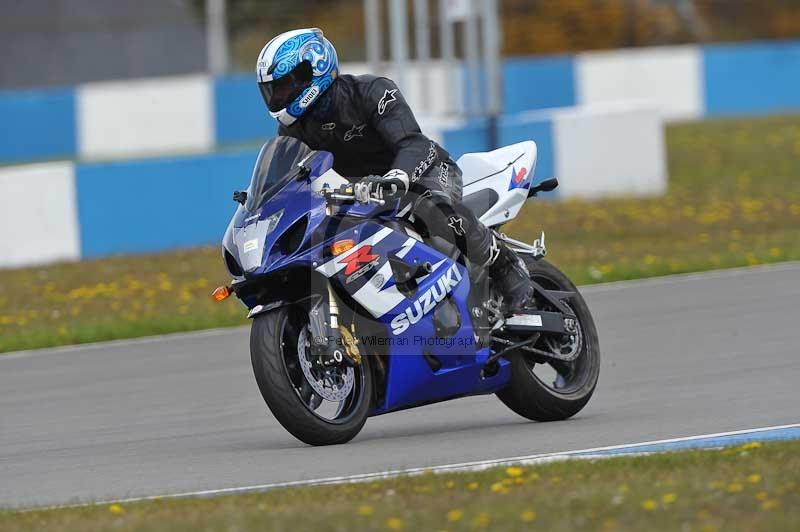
(318, 404)
(545, 389)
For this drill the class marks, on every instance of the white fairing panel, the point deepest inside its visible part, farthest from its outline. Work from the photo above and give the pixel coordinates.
(508, 171)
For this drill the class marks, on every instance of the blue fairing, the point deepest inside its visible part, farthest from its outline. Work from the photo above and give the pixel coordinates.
(365, 274)
(296, 201)
(410, 380)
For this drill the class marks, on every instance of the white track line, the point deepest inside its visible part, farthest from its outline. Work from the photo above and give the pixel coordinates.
(693, 276)
(480, 465)
(588, 289)
(124, 342)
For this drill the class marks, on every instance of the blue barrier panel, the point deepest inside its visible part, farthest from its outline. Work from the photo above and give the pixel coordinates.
(537, 127)
(158, 204)
(37, 124)
(538, 83)
(471, 137)
(240, 112)
(752, 78)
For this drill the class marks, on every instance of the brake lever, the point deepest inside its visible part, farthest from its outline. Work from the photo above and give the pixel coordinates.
(342, 197)
(335, 194)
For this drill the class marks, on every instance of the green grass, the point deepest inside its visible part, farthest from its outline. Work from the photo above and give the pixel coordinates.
(750, 487)
(120, 297)
(733, 200)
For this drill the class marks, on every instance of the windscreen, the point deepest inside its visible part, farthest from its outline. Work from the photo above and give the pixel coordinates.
(277, 162)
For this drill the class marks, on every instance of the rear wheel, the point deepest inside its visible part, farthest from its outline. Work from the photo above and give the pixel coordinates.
(545, 389)
(318, 404)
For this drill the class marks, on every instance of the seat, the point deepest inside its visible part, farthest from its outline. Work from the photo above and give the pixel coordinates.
(481, 201)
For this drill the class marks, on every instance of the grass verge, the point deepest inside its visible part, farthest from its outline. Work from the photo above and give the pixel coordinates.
(750, 487)
(733, 200)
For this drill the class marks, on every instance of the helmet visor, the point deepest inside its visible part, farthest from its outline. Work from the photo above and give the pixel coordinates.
(280, 92)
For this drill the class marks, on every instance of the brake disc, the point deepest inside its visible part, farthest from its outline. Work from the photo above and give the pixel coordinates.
(568, 347)
(333, 383)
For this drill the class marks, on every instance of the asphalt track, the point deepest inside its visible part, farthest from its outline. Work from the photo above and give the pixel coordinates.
(682, 356)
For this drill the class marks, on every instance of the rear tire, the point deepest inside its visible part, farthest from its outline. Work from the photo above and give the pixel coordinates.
(270, 346)
(527, 394)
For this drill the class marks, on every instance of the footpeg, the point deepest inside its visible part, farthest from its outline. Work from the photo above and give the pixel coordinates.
(539, 249)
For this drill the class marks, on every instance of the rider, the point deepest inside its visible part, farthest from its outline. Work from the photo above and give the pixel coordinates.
(370, 129)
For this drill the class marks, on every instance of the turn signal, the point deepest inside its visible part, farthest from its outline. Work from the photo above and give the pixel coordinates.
(340, 246)
(221, 293)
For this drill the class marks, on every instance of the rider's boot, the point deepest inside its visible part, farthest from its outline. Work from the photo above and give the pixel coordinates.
(510, 277)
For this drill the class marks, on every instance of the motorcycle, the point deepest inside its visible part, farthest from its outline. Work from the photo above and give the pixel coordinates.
(358, 312)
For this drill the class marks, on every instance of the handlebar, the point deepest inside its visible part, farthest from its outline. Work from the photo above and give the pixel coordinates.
(346, 194)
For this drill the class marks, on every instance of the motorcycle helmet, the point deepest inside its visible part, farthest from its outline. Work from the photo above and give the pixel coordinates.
(293, 70)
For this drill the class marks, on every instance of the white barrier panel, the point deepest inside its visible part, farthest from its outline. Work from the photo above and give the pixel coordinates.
(610, 150)
(670, 76)
(439, 96)
(141, 117)
(38, 214)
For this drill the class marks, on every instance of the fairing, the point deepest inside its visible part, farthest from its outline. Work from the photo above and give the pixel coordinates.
(365, 275)
(507, 172)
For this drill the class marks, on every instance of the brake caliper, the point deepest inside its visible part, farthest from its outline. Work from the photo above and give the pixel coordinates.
(350, 345)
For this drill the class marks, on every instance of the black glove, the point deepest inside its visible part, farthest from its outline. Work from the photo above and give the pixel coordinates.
(393, 184)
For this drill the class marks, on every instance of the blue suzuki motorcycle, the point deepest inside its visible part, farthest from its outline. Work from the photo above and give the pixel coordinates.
(357, 311)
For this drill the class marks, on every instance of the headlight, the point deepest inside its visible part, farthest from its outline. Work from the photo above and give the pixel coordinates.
(251, 240)
(271, 222)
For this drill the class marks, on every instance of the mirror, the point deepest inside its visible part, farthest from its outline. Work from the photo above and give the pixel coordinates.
(239, 196)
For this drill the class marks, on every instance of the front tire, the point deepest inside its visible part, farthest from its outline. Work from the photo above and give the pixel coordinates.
(528, 394)
(274, 354)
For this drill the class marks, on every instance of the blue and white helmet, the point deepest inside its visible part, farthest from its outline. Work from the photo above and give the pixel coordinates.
(293, 70)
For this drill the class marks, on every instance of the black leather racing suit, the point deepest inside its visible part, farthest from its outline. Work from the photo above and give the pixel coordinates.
(370, 129)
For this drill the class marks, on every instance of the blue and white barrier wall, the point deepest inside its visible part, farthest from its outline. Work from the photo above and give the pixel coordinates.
(67, 211)
(64, 211)
(194, 113)
(684, 82)
(613, 149)
(144, 117)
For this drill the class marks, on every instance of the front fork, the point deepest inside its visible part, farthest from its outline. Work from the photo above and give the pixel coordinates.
(331, 338)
